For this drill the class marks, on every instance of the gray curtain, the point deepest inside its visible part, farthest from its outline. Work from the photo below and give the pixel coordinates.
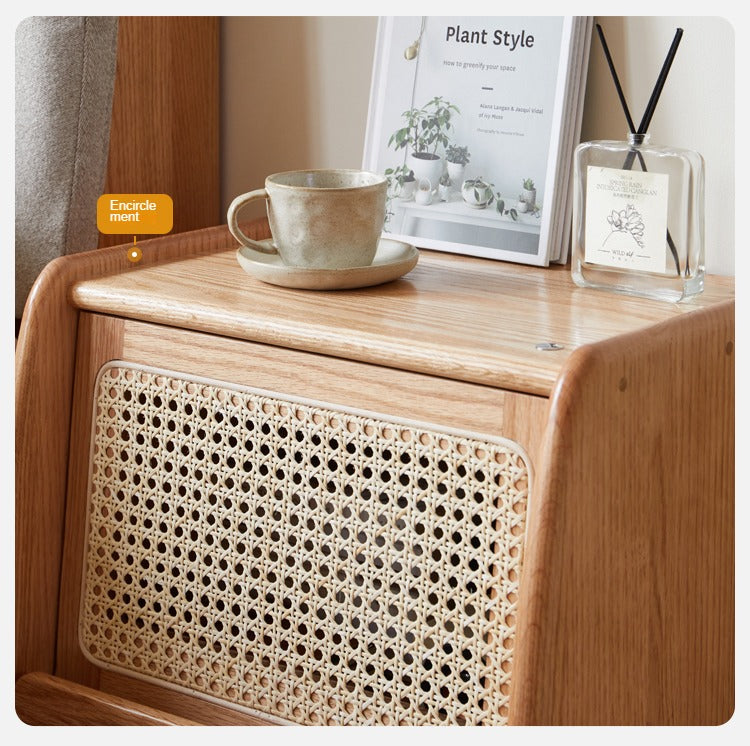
(65, 72)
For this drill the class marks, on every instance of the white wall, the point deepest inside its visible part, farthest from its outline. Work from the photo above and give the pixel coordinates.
(296, 91)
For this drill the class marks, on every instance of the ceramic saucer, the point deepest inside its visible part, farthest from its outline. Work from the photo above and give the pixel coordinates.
(392, 260)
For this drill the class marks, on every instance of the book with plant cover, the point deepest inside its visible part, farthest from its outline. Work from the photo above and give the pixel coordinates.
(473, 120)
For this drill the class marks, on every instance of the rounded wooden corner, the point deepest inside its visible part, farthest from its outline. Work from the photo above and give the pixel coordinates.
(627, 599)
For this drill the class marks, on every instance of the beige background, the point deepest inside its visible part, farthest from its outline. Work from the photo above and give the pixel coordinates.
(307, 107)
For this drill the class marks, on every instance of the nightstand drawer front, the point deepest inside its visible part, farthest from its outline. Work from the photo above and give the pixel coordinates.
(293, 558)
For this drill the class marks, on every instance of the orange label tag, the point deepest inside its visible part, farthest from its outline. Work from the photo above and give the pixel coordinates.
(134, 214)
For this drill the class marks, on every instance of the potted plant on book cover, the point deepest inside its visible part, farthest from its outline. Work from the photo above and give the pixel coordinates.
(477, 193)
(528, 194)
(401, 182)
(445, 187)
(456, 159)
(423, 195)
(426, 130)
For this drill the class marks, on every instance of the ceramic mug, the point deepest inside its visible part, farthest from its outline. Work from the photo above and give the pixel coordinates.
(319, 218)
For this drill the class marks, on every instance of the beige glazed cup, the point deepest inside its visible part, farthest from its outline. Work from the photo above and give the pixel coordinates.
(320, 218)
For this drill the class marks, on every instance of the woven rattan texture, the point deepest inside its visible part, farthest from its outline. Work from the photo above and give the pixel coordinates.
(319, 566)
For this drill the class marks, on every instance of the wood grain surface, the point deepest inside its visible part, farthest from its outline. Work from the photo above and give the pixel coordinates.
(626, 610)
(341, 383)
(457, 317)
(99, 339)
(42, 699)
(165, 117)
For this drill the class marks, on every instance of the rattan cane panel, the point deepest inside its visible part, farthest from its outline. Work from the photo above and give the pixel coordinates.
(313, 564)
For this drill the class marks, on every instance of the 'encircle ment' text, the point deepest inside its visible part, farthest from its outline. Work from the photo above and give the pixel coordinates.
(499, 37)
(128, 212)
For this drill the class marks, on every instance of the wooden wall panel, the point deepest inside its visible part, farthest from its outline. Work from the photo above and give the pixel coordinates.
(165, 117)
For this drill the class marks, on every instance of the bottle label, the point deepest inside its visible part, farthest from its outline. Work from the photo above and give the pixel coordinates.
(626, 219)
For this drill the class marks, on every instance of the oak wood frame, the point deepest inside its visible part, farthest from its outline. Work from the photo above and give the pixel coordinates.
(627, 594)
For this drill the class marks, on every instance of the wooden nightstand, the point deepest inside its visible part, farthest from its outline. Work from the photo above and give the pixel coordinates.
(243, 503)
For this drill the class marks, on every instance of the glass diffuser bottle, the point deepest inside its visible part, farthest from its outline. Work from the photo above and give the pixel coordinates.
(638, 208)
(638, 218)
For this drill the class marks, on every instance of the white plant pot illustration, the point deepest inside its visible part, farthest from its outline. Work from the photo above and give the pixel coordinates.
(444, 191)
(456, 171)
(424, 167)
(476, 195)
(529, 197)
(406, 192)
(423, 195)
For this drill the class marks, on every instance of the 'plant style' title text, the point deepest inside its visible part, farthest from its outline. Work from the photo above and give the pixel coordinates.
(509, 39)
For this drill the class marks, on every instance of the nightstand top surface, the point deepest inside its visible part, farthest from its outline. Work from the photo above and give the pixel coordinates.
(459, 317)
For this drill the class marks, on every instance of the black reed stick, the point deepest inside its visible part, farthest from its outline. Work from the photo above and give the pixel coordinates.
(618, 87)
(661, 80)
(647, 115)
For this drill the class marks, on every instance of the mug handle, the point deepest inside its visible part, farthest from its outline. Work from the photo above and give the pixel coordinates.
(234, 228)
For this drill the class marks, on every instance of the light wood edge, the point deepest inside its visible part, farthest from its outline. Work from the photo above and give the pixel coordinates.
(340, 343)
(438, 401)
(45, 356)
(43, 699)
(181, 704)
(99, 339)
(496, 295)
(626, 609)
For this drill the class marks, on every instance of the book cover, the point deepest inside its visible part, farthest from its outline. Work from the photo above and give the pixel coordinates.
(472, 120)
